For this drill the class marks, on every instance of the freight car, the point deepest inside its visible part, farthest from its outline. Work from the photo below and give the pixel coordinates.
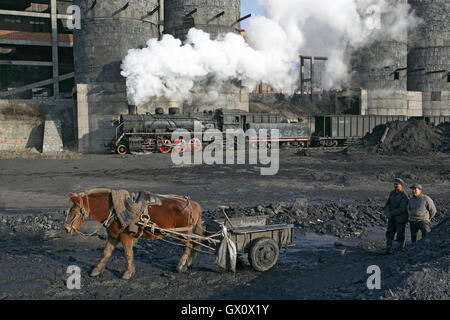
(150, 133)
(342, 130)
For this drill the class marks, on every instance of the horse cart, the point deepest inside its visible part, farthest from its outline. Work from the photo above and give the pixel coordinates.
(142, 215)
(262, 242)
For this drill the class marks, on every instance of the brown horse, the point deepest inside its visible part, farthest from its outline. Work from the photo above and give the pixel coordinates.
(175, 212)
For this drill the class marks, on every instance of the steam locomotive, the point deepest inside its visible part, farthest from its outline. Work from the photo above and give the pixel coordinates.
(149, 133)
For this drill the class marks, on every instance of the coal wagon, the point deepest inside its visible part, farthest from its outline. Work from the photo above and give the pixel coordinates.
(342, 130)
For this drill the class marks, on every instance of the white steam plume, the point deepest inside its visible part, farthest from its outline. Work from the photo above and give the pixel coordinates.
(291, 27)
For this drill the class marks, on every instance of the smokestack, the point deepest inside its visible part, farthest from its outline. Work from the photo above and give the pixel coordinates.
(132, 109)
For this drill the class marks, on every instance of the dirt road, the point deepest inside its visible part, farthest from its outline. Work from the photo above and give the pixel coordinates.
(36, 252)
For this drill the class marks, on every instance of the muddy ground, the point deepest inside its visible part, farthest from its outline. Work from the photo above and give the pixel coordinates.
(337, 239)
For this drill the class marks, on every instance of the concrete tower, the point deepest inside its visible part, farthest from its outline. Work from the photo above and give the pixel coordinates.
(379, 70)
(214, 17)
(108, 30)
(429, 56)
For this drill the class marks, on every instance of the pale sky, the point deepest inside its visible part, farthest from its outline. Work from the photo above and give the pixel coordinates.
(250, 6)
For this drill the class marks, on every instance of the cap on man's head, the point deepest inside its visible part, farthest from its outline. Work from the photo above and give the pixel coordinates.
(416, 185)
(399, 181)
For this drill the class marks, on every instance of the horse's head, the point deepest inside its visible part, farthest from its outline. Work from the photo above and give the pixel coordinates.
(77, 212)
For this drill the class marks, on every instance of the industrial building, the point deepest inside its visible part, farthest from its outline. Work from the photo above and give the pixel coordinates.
(429, 57)
(404, 75)
(109, 29)
(36, 58)
(36, 70)
(74, 75)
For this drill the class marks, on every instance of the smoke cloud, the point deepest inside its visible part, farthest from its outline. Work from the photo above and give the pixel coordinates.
(271, 53)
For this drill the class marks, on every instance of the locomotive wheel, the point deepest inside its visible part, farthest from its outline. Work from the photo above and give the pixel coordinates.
(195, 144)
(148, 146)
(263, 254)
(122, 149)
(180, 145)
(164, 146)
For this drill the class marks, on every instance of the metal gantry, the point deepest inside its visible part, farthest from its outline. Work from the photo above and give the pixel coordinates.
(304, 80)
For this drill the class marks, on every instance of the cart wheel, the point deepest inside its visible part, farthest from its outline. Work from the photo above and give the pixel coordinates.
(121, 149)
(263, 254)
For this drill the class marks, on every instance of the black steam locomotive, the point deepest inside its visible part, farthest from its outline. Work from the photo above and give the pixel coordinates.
(148, 133)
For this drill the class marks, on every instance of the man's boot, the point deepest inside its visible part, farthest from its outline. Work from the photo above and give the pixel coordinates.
(402, 244)
(388, 249)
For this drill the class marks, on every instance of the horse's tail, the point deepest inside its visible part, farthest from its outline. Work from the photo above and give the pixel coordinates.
(198, 228)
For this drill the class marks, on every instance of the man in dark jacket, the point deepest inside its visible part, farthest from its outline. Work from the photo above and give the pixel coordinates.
(397, 214)
(421, 210)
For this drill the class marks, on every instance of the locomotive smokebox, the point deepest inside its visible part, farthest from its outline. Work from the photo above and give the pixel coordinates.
(132, 109)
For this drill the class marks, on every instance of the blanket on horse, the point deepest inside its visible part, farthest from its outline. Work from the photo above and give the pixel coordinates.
(130, 207)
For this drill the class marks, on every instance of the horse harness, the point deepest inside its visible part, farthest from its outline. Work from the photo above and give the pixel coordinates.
(84, 214)
(145, 223)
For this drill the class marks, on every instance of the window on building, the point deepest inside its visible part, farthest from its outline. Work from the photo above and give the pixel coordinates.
(38, 25)
(12, 19)
(396, 75)
(448, 77)
(436, 96)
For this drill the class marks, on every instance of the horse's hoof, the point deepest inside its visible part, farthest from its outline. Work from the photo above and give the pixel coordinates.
(127, 275)
(189, 263)
(96, 272)
(182, 269)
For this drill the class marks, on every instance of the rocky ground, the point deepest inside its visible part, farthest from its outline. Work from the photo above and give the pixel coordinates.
(334, 200)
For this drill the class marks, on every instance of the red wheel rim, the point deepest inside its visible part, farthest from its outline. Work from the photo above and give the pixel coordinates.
(147, 146)
(164, 146)
(122, 150)
(180, 145)
(195, 144)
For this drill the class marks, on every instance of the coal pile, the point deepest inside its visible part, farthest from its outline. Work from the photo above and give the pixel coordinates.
(30, 223)
(445, 129)
(422, 271)
(414, 136)
(341, 220)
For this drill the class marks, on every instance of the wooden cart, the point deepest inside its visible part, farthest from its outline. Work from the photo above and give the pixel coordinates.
(261, 242)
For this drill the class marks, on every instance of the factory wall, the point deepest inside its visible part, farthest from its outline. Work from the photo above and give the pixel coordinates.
(177, 24)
